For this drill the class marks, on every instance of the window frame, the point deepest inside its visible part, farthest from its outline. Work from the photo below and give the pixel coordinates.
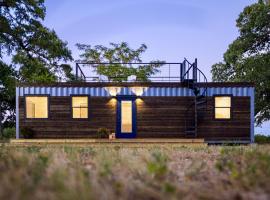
(71, 107)
(37, 95)
(214, 107)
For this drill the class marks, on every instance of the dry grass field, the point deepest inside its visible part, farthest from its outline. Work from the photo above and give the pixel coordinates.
(134, 172)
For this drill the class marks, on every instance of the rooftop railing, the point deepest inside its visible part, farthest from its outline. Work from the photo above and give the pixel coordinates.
(165, 72)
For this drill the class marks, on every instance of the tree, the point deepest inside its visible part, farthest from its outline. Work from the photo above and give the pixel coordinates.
(115, 55)
(7, 92)
(36, 52)
(248, 57)
(35, 49)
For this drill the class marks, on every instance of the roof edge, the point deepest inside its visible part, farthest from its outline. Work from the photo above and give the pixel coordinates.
(133, 84)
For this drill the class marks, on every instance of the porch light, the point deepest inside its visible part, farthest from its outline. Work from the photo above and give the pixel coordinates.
(139, 101)
(138, 90)
(113, 91)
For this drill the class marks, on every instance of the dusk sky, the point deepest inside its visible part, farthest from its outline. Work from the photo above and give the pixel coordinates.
(172, 29)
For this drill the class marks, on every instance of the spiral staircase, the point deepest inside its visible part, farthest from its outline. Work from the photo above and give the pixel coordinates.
(195, 80)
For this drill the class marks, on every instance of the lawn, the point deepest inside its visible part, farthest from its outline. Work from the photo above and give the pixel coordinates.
(134, 172)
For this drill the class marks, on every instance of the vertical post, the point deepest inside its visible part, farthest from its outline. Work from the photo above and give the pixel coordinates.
(183, 68)
(181, 72)
(1, 118)
(17, 113)
(252, 93)
(195, 71)
(1, 127)
(169, 73)
(76, 71)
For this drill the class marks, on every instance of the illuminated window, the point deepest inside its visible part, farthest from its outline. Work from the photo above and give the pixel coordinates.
(36, 107)
(80, 107)
(223, 107)
(126, 116)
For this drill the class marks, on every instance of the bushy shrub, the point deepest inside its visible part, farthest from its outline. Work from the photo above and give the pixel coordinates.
(262, 138)
(9, 133)
(103, 133)
(247, 168)
(27, 133)
(157, 166)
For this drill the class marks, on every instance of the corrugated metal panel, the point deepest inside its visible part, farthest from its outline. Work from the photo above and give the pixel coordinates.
(151, 91)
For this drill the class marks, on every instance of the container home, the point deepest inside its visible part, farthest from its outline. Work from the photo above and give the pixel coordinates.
(179, 104)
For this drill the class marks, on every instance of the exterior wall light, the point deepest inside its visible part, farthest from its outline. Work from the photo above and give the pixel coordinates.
(138, 91)
(113, 91)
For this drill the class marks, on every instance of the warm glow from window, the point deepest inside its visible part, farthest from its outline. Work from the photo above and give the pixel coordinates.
(126, 116)
(222, 107)
(222, 101)
(36, 107)
(80, 107)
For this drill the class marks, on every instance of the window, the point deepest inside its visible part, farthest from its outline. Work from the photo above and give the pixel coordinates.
(126, 116)
(36, 107)
(80, 107)
(223, 107)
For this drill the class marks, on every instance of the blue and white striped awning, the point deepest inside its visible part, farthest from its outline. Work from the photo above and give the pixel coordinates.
(147, 91)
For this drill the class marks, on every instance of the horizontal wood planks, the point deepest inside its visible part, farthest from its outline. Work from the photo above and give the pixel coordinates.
(237, 127)
(162, 116)
(102, 113)
(157, 117)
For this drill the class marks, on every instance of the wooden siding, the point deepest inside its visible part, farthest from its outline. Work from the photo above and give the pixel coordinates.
(162, 116)
(157, 117)
(102, 113)
(236, 127)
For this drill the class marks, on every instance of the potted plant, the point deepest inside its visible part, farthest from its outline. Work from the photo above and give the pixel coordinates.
(103, 133)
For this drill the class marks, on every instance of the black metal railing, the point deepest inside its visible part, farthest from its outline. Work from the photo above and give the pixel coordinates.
(165, 72)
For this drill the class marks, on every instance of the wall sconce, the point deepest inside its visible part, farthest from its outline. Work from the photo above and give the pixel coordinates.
(138, 90)
(139, 101)
(113, 91)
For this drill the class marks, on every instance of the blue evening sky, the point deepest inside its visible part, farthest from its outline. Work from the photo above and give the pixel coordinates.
(172, 29)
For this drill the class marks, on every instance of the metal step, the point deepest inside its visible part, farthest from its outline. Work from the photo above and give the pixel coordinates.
(200, 97)
(190, 81)
(200, 102)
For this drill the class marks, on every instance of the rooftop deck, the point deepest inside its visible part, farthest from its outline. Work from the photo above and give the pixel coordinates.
(164, 72)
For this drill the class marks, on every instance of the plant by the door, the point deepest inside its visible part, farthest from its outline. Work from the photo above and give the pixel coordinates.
(103, 133)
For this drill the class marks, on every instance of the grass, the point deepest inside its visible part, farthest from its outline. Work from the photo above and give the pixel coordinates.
(122, 172)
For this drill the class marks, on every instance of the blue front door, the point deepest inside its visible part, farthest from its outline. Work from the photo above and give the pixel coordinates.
(126, 117)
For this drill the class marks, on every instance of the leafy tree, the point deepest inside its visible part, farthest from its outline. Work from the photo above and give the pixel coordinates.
(7, 92)
(248, 57)
(115, 54)
(36, 52)
(35, 49)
